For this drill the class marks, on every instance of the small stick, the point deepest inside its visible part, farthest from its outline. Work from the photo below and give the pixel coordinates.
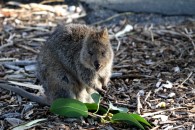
(10, 42)
(6, 45)
(192, 127)
(131, 76)
(21, 62)
(27, 85)
(158, 112)
(167, 122)
(176, 127)
(147, 96)
(27, 48)
(112, 17)
(120, 52)
(121, 66)
(13, 67)
(139, 105)
(125, 105)
(186, 78)
(119, 43)
(32, 28)
(7, 59)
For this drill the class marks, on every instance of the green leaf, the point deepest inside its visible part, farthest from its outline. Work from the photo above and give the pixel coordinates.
(120, 109)
(28, 125)
(92, 106)
(96, 97)
(127, 118)
(69, 108)
(140, 119)
(96, 106)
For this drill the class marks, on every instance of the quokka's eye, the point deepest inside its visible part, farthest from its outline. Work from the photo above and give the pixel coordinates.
(103, 53)
(90, 53)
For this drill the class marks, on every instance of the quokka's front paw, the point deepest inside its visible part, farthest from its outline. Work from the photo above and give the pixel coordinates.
(104, 81)
(98, 85)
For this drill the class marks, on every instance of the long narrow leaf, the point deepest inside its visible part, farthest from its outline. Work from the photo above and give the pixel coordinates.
(140, 119)
(127, 118)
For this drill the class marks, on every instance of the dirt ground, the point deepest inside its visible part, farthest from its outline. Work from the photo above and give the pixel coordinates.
(153, 70)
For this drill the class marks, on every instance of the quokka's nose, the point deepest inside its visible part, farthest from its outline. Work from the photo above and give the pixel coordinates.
(97, 65)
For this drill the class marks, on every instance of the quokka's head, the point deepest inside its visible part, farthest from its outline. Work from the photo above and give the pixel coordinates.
(96, 52)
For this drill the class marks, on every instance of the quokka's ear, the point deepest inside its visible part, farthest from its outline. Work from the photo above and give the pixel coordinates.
(104, 33)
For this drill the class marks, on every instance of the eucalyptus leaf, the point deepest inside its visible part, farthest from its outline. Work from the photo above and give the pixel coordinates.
(92, 106)
(125, 117)
(96, 97)
(28, 125)
(120, 109)
(140, 119)
(69, 108)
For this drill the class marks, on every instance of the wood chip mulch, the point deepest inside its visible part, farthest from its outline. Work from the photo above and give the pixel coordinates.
(153, 71)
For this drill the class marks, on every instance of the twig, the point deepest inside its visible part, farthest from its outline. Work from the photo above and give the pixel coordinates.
(127, 28)
(156, 128)
(176, 127)
(121, 66)
(192, 127)
(27, 48)
(112, 17)
(120, 52)
(173, 33)
(10, 42)
(167, 122)
(131, 76)
(149, 104)
(189, 37)
(13, 67)
(27, 85)
(119, 43)
(20, 80)
(21, 63)
(125, 105)
(6, 45)
(50, 1)
(32, 28)
(185, 116)
(147, 96)
(7, 59)
(158, 112)
(186, 78)
(141, 40)
(139, 105)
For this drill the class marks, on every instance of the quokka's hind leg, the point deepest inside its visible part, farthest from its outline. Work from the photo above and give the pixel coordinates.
(59, 85)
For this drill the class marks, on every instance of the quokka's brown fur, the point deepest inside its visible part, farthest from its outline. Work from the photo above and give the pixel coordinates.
(75, 61)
